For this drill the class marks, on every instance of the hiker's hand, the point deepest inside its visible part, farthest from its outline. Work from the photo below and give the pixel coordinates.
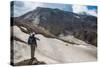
(38, 39)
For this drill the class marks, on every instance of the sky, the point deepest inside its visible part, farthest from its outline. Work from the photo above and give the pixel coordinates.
(22, 7)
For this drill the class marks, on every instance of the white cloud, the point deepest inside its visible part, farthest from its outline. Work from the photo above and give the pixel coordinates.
(79, 8)
(23, 7)
(32, 5)
(83, 9)
(29, 6)
(92, 12)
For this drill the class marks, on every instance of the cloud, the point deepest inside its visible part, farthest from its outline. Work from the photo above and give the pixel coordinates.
(80, 9)
(22, 7)
(92, 12)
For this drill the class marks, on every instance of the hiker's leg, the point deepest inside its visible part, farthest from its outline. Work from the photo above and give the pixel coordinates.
(32, 51)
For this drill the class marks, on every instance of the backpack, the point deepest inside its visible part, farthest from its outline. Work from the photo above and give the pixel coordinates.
(31, 40)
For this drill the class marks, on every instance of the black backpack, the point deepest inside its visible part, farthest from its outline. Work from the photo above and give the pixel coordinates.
(32, 40)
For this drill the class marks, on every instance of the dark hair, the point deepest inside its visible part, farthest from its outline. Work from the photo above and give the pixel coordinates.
(33, 35)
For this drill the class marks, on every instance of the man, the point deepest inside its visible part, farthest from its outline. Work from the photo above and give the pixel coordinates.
(33, 44)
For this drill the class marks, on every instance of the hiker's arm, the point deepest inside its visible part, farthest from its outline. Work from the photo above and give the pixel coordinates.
(37, 38)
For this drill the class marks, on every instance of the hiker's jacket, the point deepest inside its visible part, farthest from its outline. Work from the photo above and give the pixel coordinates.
(32, 40)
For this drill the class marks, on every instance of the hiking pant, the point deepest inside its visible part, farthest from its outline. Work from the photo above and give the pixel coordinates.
(32, 51)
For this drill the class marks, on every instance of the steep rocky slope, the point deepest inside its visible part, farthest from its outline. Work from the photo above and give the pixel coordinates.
(59, 22)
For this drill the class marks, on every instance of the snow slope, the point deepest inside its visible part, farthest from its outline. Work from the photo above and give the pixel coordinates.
(52, 50)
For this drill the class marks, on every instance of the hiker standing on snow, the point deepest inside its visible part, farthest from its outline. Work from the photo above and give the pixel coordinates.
(33, 44)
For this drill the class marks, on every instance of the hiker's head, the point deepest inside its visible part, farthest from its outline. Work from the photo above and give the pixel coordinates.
(32, 34)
